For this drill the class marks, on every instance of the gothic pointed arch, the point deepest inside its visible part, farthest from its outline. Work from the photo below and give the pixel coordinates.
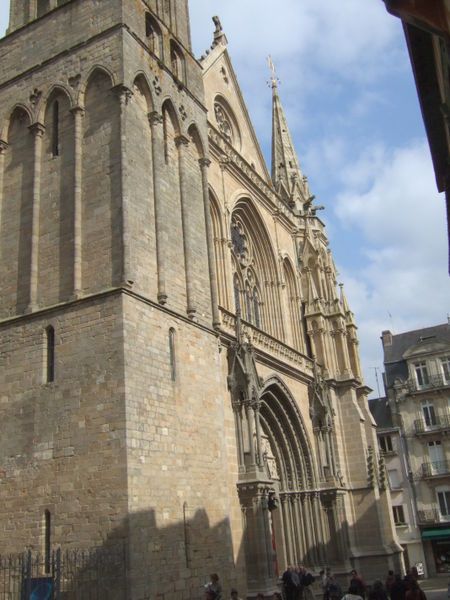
(219, 242)
(255, 260)
(16, 213)
(141, 87)
(55, 265)
(294, 304)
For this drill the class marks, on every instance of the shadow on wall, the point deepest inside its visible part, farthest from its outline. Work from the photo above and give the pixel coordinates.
(141, 560)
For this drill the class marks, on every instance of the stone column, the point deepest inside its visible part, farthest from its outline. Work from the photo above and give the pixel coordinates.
(239, 435)
(306, 521)
(127, 279)
(38, 130)
(3, 149)
(259, 457)
(161, 233)
(78, 114)
(250, 429)
(204, 164)
(182, 144)
(287, 522)
(320, 534)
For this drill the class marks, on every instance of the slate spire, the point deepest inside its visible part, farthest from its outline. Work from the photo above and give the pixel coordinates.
(287, 176)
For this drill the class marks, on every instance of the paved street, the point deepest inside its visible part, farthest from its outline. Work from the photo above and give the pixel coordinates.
(435, 589)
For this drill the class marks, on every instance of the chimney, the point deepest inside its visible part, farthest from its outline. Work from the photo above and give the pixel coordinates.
(386, 338)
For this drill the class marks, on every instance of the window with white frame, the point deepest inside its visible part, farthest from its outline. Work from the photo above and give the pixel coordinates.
(385, 442)
(445, 365)
(443, 497)
(421, 372)
(429, 414)
(399, 515)
(394, 479)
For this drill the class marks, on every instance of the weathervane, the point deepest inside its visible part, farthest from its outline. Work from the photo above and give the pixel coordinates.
(274, 81)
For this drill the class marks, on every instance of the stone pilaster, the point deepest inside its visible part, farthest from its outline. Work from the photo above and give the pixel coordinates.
(78, 114)
(182, 144)
(127, 279)
(162, 236)
(37, 130)
(204, 164)
(3, 149)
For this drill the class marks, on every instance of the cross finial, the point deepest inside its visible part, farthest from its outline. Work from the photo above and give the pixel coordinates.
(273, 79)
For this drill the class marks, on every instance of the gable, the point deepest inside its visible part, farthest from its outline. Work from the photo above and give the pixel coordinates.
(227, 109)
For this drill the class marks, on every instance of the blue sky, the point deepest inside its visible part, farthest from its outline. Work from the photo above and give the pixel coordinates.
(348, 91)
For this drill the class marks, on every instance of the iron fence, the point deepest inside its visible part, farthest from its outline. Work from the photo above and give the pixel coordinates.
(94, 574)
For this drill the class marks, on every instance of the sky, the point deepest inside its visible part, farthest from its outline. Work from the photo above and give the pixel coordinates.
(348, 91)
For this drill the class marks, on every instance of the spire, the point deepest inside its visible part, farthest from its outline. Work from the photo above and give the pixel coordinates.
(345, 307)
(287, 176)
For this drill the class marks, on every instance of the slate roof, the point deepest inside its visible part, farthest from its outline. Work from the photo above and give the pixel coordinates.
(381, 412)
(402, 341)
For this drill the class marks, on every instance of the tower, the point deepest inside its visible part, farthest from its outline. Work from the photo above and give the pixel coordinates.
(178, 380)
(106, 312)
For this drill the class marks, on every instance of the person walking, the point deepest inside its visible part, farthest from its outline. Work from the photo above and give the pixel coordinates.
(352, 593)
(358, 583)
(415, 592)
(377, 592)
(398, 590)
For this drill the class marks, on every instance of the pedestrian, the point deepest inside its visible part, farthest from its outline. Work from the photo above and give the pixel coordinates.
(358, 582)
(260, 597)
(234, 594)
(289, 579)
(389, 581)
(277, 596)
(352, 593)
(210, 595)
(377, 592)
(398, 590)
(306, 580)
(214, 586)
(415, 592)
(324, 577)
(333, 589)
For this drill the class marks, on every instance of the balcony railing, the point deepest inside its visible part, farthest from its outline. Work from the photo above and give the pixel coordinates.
(431, 515)
(438, 423)
(434, 469)
(433, 382)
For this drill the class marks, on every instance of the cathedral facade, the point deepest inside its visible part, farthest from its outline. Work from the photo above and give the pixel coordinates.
(179, 370)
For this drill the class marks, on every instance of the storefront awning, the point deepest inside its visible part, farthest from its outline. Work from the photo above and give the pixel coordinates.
(436, 534)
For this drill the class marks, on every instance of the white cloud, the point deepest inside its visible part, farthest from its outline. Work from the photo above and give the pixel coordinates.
(403, 283)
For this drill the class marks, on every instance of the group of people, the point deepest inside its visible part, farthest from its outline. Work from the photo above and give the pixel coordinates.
(395, 587)
(297, 583)
(297, 586)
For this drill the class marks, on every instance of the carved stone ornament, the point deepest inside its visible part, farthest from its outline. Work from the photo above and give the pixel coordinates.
(223, 123)
(157, 86)
(35, 96)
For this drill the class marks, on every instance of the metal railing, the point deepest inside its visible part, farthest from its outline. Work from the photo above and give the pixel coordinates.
(433, 381)
(431, 515)
(94, 574)
(431, 469)
(439, 422)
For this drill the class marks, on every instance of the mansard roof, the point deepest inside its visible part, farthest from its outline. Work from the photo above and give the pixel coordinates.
(419, 339)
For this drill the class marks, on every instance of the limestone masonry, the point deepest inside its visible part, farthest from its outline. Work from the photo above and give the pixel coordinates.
(179, 372)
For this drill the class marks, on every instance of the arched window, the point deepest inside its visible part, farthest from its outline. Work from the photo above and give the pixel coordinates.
(173, 364)
(50, 354)
(256, 311)
(47, 540)
(226, 122)
(237, 294)
(177, 61)
(55, 128)
(248, 304)
(153, 35)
